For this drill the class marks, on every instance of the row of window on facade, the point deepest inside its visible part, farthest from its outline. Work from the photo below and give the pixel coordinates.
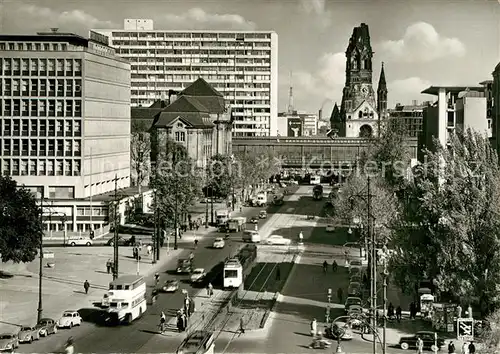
(49, 167)
(34, 46)
(160, 47)
(41, 87)
(40, 147)
(41, 127)
(40, 108)
(40, 66)
(187, 35)
(56, 225)
(164, 70)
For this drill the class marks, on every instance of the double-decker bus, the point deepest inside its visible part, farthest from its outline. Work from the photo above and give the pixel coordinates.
(127, 299)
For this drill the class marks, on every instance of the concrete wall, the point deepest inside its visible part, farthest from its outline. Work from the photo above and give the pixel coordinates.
(106, 128)
(474, 109)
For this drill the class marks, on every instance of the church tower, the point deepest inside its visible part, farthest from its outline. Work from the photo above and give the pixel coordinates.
(382, 98)
(358, 110)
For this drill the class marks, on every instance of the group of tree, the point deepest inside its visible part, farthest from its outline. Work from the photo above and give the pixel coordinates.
(442, 217)
(140, 150)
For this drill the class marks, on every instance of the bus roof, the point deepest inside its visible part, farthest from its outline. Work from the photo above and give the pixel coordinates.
(127, 279)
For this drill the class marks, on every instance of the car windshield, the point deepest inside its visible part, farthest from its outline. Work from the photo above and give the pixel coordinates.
(26, 329)
(356, 262)
(276, 236)
(68, 314)
(5, 336)
(352, 300)
(218, 240)
(198, 271)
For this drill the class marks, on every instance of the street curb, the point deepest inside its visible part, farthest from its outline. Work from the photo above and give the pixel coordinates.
(274, 301)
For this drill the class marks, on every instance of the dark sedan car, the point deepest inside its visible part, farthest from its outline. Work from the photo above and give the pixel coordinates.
(46, 326)
(254, 220)
(427, 337)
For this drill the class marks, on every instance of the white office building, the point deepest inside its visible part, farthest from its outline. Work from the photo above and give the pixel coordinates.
(242, 65)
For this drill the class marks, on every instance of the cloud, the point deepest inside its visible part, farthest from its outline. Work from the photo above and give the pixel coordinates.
(317, 9)
(326, 82)
(422, 43)
(197, 18)
(42, 18)
(405, 90)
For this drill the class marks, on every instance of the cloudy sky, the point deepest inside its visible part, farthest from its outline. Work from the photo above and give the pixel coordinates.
(422, 42)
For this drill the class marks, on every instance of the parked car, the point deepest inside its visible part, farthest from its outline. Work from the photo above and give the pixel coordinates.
(28, 334)
(254, 220)
(278, 240)
(355, 278)
(170, 286)
(330, 228)
(262, 214)
(198, 275)
(122, 241)
(8, 342)
(354, 289)
(355, 263)
(69, 319)
(338, 329)
(46, 326)
(80, 241)
(350, 301)
(427, 337)
(354, 271)
(218, 243)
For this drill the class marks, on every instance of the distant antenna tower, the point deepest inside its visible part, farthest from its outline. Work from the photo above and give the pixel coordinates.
(54, 29)
(290, 95)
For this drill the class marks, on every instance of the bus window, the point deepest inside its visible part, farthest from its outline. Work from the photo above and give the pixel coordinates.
(119, 287)
(124, 304)
(113, 304)
(230, 273)
(127, 287)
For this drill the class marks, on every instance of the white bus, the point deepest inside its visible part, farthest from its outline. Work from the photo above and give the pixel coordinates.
(315, 179)
(127, 298)
(233, 273)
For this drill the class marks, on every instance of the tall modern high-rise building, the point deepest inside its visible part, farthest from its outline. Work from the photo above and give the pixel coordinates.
(242, 65)
(65, 122)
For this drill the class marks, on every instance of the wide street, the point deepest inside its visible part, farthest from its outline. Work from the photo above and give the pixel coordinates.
(92, 337)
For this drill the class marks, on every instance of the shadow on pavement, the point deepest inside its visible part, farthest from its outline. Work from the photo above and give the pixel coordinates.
(307, 312)
(95, 316)
(6, 275)
(263, 277)
(309, 282)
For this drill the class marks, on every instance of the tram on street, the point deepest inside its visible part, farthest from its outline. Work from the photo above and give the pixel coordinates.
(127, 299)
(233, 273)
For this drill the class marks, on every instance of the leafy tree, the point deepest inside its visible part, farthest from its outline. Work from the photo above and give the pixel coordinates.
(450, 225)
(140, 149)
(178, 183)
(20, 224)
(255, 168)
(490, 336)
(350, 205)
(222, 175)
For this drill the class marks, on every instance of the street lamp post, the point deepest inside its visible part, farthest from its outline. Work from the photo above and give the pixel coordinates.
(40, 269)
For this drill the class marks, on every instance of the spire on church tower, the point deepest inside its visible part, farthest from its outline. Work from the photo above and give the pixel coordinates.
(382, 95)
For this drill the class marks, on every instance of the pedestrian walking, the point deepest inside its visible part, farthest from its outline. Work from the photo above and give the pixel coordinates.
(451, 348)
(420, 346)
(191, 308)
(278, 273)
(242, 325)
(399, 312)
(314, 327)
(459, 311)
(86, 286)
(325, 266)
(108, 265)
(472, 348)
(469, 310)
(340, 295)
(179, 321)
(184, 322)
(390, 311)
(210, 290)
(465, 348)
(149, 249)
(413, 311)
